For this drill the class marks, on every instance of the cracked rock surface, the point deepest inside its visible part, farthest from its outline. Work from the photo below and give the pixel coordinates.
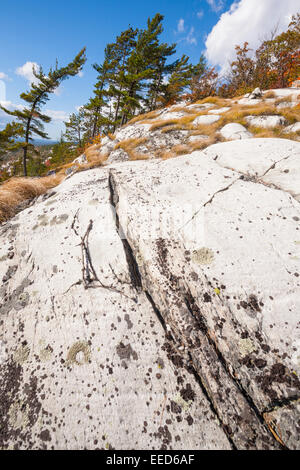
(155, 305)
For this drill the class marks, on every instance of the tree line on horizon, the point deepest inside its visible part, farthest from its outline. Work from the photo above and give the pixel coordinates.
(138, 75)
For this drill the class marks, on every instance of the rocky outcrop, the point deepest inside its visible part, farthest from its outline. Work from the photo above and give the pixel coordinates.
(155, 304)
(235, 131)
(257, 93)
(206, 120)
(266, 121)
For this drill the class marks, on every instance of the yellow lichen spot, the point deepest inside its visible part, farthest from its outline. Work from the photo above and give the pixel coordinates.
(18, 415)
(246, 346)
(185, 405)
(217, 291)
(21, 354)
(203, 256)
(46, 354)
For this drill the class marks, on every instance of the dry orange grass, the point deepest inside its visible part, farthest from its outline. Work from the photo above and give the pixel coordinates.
(205, 129)
(130, 145)
(17, 190)
(276, 132)
(269, 95)
(134, 156)
(96, 159)
(181, 149)
(166, 155)
(159, 124)
(292, 115)
(171, 128)
(142, 117)
(214, 100)
(204, 143)
(182, 123)
(286, 99)
(92, 151)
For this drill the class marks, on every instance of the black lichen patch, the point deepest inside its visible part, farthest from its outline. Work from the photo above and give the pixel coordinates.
(252, 305)
(190, 420)
(164, 435)
(126, 352)
(277, 374)
(175, 408)
(162, 252)
(206, 298)
(9, 273)
(172, 355)
(128, 321)
(18, 299)
(19, 407)
(188, 393)
(11, 376)
(45, 436)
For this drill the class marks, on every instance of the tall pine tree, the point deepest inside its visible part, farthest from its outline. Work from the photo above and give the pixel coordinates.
(8, 137)
(94, 108)
(31, 117)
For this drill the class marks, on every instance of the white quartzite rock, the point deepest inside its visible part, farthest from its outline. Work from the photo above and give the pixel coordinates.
(206, 120)
(293, 128)
(196, 138)
(86, 363)
(126, 287)
(219, 110)
(235, 131)
(266, 121)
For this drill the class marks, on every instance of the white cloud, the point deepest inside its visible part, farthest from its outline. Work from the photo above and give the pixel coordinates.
(3, 76)
(180, 26)
(58, 91)
(26, 71)
(191, 37)
(200, 14)
(57, 115)
(10, 106)
(80, 74)
(216, 5)
(246, 20)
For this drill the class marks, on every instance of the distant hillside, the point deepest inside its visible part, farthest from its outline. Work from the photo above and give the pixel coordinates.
(44, 142)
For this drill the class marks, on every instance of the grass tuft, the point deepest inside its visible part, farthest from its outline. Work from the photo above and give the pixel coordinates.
(20, 189)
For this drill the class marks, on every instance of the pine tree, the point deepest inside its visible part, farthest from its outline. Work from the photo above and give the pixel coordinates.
(31, 117)
(8, 137)
(141, 67)
(160, 70)
(75, 127)
(99, 100)
(179, 80)
(123, 47)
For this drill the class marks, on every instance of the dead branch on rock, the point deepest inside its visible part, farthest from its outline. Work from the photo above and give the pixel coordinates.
(89, 275)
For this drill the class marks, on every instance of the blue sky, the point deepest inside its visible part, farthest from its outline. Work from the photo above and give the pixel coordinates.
(35, 31)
